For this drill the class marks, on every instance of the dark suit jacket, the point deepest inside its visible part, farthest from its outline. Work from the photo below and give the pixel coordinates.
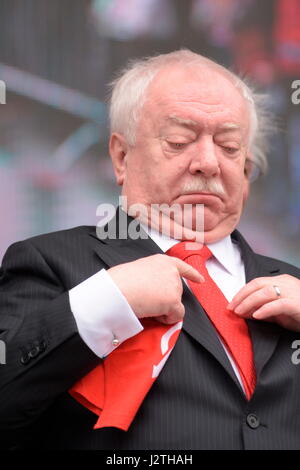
(196, 402)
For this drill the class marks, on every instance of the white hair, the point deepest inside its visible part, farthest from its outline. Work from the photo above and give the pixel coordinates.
(129, 91)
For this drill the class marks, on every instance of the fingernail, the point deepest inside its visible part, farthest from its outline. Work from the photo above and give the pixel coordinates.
(237, 310)
(256, 315)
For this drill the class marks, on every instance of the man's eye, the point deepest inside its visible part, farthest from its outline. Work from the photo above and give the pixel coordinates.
(230, 150)
(177, 145)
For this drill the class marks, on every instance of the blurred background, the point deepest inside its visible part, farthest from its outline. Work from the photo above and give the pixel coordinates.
(56, 58)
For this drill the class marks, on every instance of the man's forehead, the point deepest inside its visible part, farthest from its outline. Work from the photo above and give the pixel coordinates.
(196, 100)
(209, 93)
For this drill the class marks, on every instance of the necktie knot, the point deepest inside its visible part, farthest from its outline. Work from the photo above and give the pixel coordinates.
(184, 250)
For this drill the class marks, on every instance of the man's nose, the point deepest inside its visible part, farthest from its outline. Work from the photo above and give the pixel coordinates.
(205, 159)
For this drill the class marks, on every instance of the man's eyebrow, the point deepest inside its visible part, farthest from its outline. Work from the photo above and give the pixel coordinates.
(182, 121)
(225, 127)
(229, 126)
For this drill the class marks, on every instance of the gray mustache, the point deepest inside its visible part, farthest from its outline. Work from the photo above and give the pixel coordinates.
(205, 185)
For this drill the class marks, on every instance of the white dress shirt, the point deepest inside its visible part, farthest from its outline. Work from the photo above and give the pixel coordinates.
(105, 319)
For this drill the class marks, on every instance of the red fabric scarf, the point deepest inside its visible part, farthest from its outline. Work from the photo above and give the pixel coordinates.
(116, 388)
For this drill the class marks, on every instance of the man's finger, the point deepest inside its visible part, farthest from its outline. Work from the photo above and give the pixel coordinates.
(175, 317)
(245, 291)
(187, 271)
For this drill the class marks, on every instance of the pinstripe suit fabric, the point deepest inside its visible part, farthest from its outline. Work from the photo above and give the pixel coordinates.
(196, 403)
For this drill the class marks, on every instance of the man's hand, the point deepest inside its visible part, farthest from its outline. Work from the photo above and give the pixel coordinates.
(152, 286)
(259, 299)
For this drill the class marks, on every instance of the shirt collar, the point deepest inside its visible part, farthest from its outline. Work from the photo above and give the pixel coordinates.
(225, 252)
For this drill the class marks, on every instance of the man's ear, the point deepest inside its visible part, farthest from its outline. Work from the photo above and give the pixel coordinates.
(246, 190)
(247, 183)
(118, 149)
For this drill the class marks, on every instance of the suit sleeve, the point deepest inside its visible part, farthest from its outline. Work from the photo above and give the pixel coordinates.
(44, 354)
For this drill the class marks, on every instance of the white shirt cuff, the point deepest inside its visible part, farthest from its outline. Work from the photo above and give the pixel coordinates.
(103, 316)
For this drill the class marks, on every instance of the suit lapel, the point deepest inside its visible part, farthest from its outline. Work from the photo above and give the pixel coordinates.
(264, 335)
(198, 326)
(123, 248)
(114, 251)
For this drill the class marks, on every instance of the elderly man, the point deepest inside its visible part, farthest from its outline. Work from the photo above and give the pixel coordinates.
(184, 133)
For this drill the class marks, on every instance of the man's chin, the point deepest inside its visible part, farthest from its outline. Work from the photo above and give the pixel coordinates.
(204, 221)
(209, 232)
(221, 230)
(198, 224)
(192, 232)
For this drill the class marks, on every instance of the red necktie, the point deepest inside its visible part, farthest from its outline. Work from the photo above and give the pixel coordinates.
(232, 329)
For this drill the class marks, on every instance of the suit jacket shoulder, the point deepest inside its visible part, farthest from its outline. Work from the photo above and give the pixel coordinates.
(284, 266)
